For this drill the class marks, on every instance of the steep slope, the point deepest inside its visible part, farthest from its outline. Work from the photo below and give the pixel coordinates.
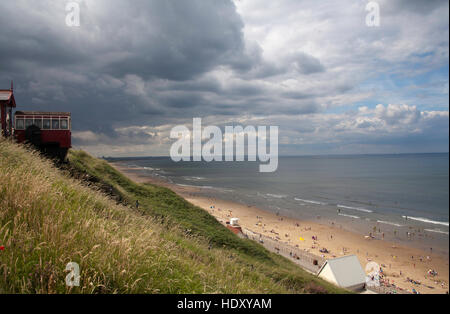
(48, 219)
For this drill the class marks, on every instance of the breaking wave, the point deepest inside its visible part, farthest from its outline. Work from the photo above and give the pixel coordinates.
(389, 223)
(194, 178)
(437, 231)
(276, 195)
(434, 222)
(355, 208)
(310, 201)
(350, 216)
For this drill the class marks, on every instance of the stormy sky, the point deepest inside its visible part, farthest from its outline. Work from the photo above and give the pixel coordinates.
(134, 69)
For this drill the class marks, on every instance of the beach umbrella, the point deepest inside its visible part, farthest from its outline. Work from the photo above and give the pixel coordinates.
(301, 239)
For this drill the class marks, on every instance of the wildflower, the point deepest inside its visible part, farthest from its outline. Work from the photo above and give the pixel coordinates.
(2, 248)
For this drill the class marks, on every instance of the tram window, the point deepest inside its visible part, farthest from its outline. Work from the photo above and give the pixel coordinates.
(46, 125)
(55, 124)
(64, 124)
(19, 124)
(28, 122)
(38, 123)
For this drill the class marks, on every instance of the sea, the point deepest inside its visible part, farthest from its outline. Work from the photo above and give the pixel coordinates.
(405, 196)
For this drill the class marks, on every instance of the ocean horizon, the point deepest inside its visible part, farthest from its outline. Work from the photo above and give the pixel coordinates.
(118, 158)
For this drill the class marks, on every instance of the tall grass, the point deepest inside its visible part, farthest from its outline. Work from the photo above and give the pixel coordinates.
(48, 219)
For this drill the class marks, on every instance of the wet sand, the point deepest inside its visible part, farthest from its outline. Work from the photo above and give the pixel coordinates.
(398, 262)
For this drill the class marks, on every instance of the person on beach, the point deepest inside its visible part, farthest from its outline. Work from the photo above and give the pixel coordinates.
(137, 203)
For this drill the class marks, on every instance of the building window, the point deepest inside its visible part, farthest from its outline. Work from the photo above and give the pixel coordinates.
(19, 124)
(28, 123)
(55, 124)
(64, 124)
(46, 124)
(38, 123)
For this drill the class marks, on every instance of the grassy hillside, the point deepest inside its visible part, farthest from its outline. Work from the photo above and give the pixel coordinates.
(48, 219)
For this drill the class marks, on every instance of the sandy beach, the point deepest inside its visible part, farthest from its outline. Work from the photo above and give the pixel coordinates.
(399, 262)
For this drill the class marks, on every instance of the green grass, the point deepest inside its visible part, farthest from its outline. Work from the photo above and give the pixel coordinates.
(165, 204)
(49, 217)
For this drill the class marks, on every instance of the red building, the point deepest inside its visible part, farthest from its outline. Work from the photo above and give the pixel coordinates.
(49, 132)
(7, 102)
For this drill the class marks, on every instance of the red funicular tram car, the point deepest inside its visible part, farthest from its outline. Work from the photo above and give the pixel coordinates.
(49, 131)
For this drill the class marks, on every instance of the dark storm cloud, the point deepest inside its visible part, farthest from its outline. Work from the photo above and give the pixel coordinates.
(152, 39)
(140, 62)
(175, 40)
(85, 70)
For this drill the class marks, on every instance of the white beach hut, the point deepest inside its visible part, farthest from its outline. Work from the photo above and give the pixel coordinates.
(345, 272)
